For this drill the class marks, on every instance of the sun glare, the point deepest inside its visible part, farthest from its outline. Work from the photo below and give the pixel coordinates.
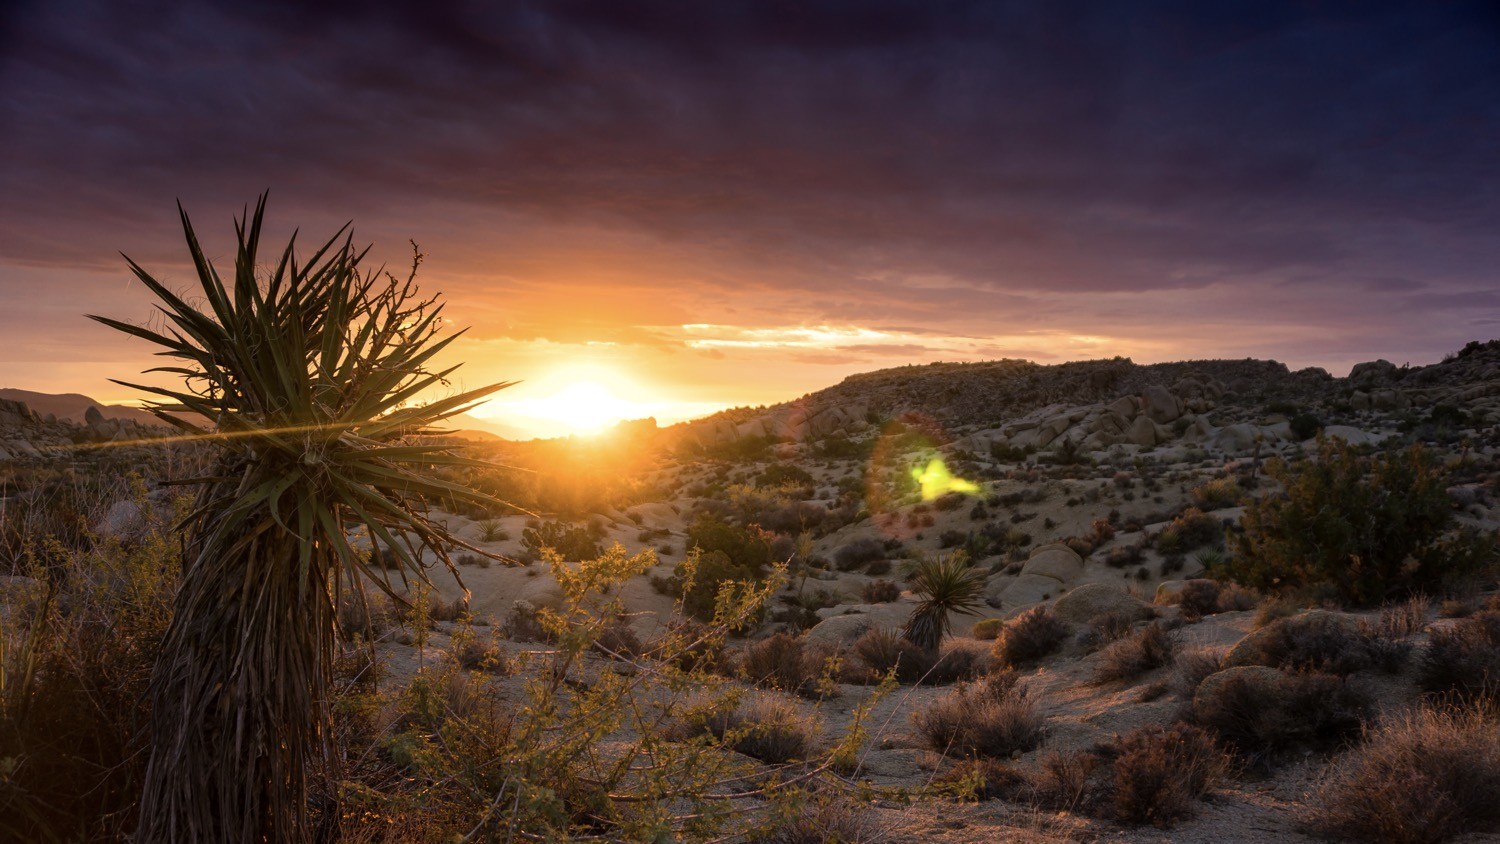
(583, 407)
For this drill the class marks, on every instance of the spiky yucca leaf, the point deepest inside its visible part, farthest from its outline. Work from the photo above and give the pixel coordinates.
(946, 585)
(306, 376)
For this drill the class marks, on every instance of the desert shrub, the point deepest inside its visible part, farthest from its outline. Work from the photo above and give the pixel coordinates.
(1073, 781)
(1106, 629)
(880, 592)
(746, 548)
(1259, 720)
(1194, 529)
(617, 641)
(821, 818)
(957, 665)
(764, 728)
(785, 662)
(987, 629)
(1083, 546)
(569, 541)
(1199, 597)
(1305, 426)
(1405, 618)
(783, 474)
(476, 652)
(1030, 636)
(990, 718)
(369, 618)
(692, 646)
(1274, 610)
(1192, 667)
(1159, 774)
(1124, 556)
(1236, 598)
(1423, 777)
(522, 623)
(447, 609)
(77, 644)
(1465, 659)
(1131, 657)
(952, 539)
(1217, 494)
(880, 651)
(1369, 527)
(982, 778)
(698, 581)
(1319, 641)
(857, 553)
(1100, 532)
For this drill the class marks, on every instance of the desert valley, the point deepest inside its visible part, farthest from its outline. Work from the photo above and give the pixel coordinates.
(1119, 657)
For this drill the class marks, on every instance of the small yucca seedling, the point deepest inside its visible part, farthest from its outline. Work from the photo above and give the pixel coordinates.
(305, 377)
(945, 586)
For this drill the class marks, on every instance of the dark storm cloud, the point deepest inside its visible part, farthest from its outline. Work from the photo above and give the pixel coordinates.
(1017, 150)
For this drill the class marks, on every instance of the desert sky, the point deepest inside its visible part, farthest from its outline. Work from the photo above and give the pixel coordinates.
(666, 208)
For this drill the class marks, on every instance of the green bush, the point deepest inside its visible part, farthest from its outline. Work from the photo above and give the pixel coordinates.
(746, 547)
(1368, 527)
(1305, 426)
(571, 543)
(698, 580)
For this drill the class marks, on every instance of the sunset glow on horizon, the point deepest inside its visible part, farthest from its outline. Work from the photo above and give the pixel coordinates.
(638, 212)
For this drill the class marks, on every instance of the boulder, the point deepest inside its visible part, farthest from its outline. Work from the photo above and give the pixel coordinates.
(1056, 561)
(1028, 590)
(1371, 372)
(1142, 432)
(1091, 600)
(1234, 439)
(1111, 423)
(1360, 400)
(1199, 431)
(1158, 403)
(994, 589)
(1126, 406)
(1350, 435)
(93, 417)
(841, 629)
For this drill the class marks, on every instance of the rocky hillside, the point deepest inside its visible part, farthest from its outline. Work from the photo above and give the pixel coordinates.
(28, 434)
(1092, 405)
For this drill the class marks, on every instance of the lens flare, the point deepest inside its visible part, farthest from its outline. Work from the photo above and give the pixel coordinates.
(936, 480)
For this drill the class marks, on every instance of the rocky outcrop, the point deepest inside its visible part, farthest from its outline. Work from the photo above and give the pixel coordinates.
(1092, 600)
(1372, 372)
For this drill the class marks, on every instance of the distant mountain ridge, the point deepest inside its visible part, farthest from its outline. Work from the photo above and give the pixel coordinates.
(72, 406)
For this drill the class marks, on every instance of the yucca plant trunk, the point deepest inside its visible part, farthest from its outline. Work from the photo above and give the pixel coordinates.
(308, 377)
(239, 695)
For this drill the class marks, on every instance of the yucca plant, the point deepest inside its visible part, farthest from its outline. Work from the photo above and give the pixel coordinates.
(946, 585)
(303, 380)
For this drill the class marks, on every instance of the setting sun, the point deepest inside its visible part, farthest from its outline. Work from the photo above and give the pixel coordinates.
(582, 407)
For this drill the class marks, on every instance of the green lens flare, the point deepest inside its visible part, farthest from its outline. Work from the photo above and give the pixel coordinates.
(937, 480)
